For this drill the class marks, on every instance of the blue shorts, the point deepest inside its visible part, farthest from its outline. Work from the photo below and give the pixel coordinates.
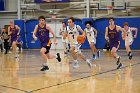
(13, 39)
(115, 44)
(46, 45)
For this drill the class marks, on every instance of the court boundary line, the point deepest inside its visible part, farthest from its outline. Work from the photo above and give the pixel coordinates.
(14, 88)
(82, 78)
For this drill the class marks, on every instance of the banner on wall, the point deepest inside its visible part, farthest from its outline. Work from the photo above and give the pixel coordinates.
(50, 1)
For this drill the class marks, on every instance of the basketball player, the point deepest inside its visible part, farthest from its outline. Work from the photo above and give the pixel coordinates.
(91, 34)
(128, 37)
(43, 30)
(112, 33)
(13, 31)
(64, 37)
(73, 33)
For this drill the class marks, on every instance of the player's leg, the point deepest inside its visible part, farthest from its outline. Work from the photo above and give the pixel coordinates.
(14, 46)
(128, 50)
(92, 46)
(46, 55)
(44, 58)
(65, 47)
(74, 56)
(82, 56)
(114, 53)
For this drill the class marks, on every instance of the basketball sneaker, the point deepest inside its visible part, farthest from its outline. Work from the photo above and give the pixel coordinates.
(118, 61)
(89, 63)
(76, 65)
(45, 68)
(130, 56)
(58, 57)
(94, 57)
(98, 54)
(119, 66)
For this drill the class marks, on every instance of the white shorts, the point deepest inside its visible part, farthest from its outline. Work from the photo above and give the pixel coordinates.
(76, 46)
(92, 40)
(128, 42)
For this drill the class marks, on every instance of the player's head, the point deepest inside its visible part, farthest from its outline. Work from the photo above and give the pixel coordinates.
(88, 24)
(126, 25)
(41, 20)
(111, 21)
(11, 23)
(70, 21)
(63, 24)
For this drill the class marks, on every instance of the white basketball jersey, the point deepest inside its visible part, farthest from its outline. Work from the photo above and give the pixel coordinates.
(90, 34)
(129, 35)
(72, 34)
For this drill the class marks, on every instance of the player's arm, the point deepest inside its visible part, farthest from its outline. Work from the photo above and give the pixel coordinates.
(81, 30)
(136, 31)
(119, 28)
(106, 33)
(123, 34)
(52, 32)
(60, 31)
(95, 31)
(18, 28)
(34, 33)
(85, 31)
(66, 33)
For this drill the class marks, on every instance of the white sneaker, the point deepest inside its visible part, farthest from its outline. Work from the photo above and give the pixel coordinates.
(17, 59)
(21, 49)
(10, 52)
(17, 49)
(76, 65)
(16, 56)
(89, 63)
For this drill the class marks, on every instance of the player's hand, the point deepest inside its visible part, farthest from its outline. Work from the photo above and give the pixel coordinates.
(83, 35)
(55, 43)
(64, 36)
(118, 45)
(135, 36)
(95, 35)
(106, 38)
(35, 38)
(123, 38)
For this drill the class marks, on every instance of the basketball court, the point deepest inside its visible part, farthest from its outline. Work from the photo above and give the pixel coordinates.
(23, 75)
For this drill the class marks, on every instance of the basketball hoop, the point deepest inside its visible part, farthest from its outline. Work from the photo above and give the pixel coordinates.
(110, 9)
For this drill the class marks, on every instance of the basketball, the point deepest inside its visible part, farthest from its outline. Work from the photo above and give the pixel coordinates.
(81, 39)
